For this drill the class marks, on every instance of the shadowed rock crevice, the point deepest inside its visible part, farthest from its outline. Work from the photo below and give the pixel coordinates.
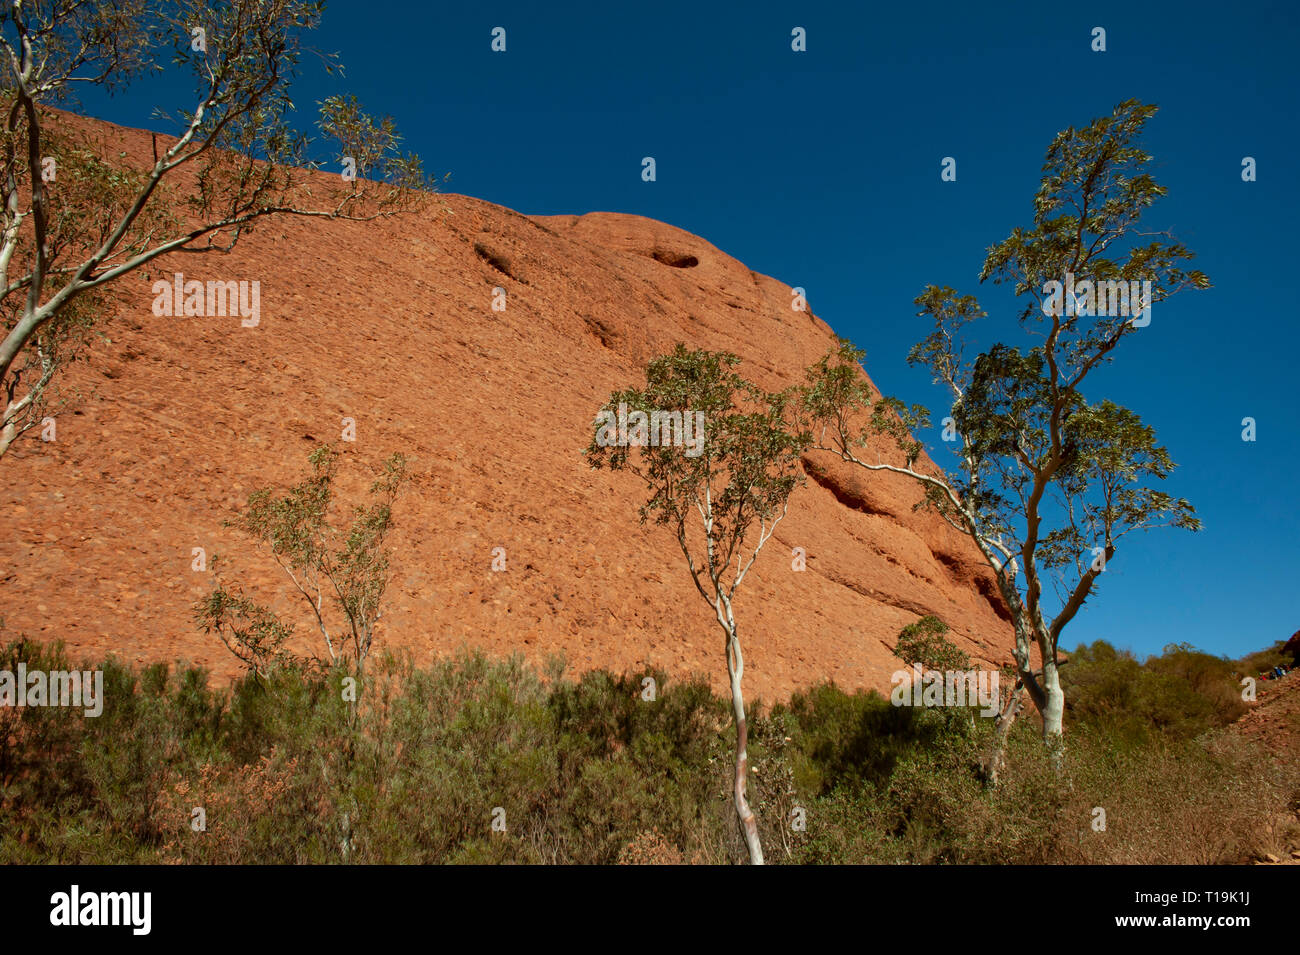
(677, 260)
(953, 565)
(495, 259)
(850, 492)
(604, 332)
(989, 591)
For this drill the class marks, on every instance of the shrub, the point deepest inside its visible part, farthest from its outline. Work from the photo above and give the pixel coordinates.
(287, 769)
(1180, 694)
(924, 643)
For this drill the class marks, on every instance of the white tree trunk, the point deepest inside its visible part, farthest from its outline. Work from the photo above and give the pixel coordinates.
(9, 432)
(993, 767)
(1053, 709)
(736, 670)
(748, 824)
(7, 435)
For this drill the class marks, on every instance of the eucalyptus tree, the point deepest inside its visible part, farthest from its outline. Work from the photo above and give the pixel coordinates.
(340, 571)
(1046, 482)
(76, 215)
(721, 483)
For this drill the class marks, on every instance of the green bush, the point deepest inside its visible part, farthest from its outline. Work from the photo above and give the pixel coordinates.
(289, 769)
(1178, 695)
(924, 643)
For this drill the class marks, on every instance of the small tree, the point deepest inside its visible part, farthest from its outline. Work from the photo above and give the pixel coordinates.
(347, 571)
(722, 499)
(1046, 482)
(925, 643)
(76, 217)
(250, 631)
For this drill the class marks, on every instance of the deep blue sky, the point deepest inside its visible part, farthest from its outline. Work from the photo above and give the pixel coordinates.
(822, 169)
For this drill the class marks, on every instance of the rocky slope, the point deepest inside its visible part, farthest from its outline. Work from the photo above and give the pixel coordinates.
(176, 420)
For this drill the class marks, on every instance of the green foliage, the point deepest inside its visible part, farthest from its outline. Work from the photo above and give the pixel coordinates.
(372, 145)
(1264, 660)
(1046, 482)
(236, 159)
(75, 787)
(250, 631)
(924, 642)
(744, 474)
(288, 772)
(853, 739)
(835, 392)
(1178, 695)
(346, 569)
(739, 473)
(1024, 421)
(92, 189)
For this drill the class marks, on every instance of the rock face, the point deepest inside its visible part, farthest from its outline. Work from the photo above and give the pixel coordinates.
(391, 324)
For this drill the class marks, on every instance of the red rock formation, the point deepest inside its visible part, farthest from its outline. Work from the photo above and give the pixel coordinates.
(391, 324)
(1292, 646)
